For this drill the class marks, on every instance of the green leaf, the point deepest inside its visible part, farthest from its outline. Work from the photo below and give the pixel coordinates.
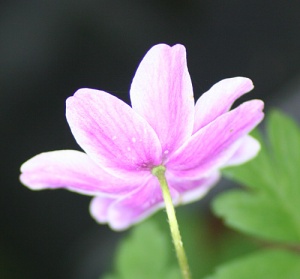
(144, 254)
(270, 205)
(257, 215)
(273, 264)
(206, 241)
(172, 273)
(145, 246)
(284, 135)
(109, 276)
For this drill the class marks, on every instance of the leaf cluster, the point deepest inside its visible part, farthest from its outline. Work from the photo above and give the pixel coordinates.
(268, 205)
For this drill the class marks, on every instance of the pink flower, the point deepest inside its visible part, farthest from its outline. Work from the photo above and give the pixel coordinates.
(163, 127)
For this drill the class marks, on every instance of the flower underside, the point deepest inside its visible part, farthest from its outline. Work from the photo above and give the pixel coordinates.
(163, 132)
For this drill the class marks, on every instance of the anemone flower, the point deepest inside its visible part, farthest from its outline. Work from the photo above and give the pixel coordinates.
(123, 145)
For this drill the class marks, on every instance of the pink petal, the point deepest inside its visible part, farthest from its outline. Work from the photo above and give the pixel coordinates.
(112, 134)
(121, 213)
(137, 205)
(213, 145)
(162, 93)
(72, 170)
(99, 207)
(219, 99)
(248, 150)
(192, 189)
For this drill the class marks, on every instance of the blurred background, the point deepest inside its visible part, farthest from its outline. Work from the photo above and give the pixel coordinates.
(49, 49)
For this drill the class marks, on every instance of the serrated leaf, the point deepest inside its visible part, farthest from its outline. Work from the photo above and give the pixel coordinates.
(270, 208)
(270, 264)
(256, 214)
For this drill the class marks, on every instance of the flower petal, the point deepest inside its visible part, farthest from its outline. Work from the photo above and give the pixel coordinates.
(219, 99)
(248, 150)
(112, 134)
(192, 189)
(137, 206)
(162, 93)
(213, 145)
(72, 170)
(99, 207)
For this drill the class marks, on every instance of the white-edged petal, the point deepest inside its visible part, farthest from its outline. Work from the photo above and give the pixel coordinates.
(112, 134)
(74, 171)
(161, 92)
(138, 205)
(213, 145)
(218, 99)
(190, 190)
(248, 150)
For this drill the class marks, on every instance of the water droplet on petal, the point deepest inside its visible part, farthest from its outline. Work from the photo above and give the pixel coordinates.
(166, 152)
(133, 139)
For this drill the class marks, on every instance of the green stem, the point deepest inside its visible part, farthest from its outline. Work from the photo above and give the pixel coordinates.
(159, 172)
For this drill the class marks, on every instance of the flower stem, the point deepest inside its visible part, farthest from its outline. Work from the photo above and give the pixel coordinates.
(159, 172)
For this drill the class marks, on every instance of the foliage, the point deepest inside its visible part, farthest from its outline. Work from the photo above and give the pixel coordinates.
(207, 243)
(144, 254)
(273, 264)
(268, 207)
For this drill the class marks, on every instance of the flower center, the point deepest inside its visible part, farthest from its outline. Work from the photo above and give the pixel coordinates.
(158, 170)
